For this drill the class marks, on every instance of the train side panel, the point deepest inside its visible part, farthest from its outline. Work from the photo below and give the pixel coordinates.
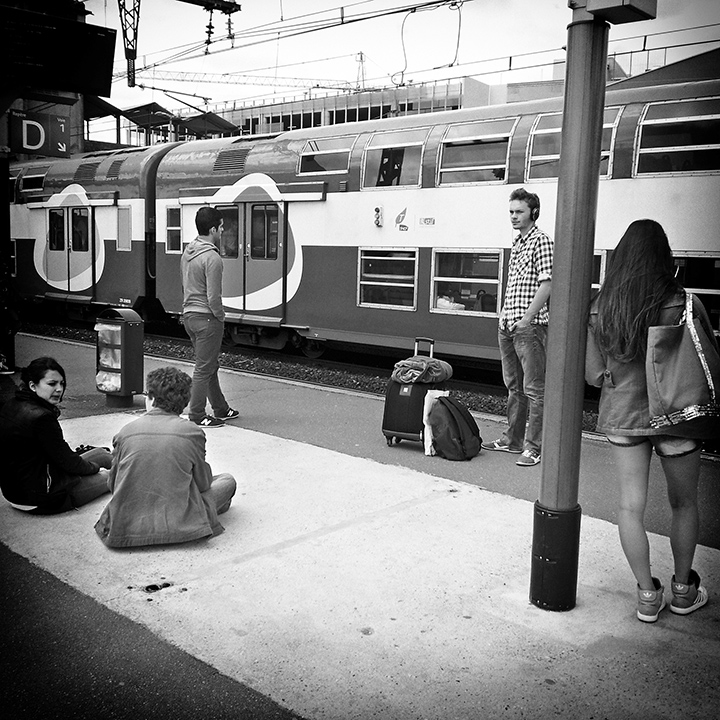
(82, 226)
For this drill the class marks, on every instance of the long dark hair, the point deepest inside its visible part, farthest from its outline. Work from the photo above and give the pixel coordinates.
(38, 368)
(639, 279)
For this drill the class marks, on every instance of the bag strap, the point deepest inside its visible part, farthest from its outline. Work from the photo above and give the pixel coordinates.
(698, 346)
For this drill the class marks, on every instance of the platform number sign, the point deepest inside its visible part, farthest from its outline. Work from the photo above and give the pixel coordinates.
(39, 134)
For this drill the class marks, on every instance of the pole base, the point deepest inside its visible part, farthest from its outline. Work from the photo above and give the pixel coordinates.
(119, 401)
(556, 546)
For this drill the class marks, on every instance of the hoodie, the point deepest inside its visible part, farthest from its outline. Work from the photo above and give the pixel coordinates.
(202, 269)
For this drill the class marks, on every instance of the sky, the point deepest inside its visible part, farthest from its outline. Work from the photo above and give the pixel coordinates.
(470, 38)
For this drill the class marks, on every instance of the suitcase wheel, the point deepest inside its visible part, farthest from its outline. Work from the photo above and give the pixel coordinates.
(390, 441)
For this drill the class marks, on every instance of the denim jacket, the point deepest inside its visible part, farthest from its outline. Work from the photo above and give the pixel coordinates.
(624, 406)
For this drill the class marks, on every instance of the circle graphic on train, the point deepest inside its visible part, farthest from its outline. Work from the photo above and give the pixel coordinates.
(65, 256)
(264, 285)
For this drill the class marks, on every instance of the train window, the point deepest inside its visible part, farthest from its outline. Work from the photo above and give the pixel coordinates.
(326, 155)
(394, 158)
(264, 232)
(173, 230)
(34, 178)
(56, 227)
(80, 237)
(476, 152)
(681, 136)
(124, 237)
(545, 137)
(700, 274)
(466, 281)
(387, 278)
(230, 240)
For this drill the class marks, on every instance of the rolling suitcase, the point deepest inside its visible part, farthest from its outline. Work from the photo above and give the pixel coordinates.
(403, 413)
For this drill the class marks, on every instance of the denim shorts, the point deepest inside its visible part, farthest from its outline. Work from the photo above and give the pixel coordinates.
(666, 446)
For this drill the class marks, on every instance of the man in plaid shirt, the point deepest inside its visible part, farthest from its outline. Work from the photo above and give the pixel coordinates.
(522, 331)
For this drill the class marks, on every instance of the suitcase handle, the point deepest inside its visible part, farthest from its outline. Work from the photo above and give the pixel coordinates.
(429, 341)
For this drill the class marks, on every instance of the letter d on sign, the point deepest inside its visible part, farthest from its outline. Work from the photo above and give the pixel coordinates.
(27, 126)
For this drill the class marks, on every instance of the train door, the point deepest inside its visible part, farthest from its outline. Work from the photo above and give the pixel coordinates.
(253, 249)
(263, 259)
(70, 249)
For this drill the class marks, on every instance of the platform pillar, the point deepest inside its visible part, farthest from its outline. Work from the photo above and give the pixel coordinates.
(553, 580)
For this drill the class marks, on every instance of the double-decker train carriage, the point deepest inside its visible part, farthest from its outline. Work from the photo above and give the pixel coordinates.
(367, 233)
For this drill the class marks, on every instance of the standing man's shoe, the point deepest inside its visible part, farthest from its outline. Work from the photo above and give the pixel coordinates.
(229, 415)
(209, 422)
(528, 458)
(501, 446)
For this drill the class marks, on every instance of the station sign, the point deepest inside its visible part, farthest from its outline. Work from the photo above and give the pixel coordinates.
(39, 134)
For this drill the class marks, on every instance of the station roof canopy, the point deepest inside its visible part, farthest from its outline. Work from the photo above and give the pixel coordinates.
(153, 115)
(149, 115)
(95, 107)
(206, 123)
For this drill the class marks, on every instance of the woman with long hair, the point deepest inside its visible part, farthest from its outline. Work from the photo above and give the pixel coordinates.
(640, 290)
(41, 474)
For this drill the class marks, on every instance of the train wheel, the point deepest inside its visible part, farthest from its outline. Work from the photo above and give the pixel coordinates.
(313, 349)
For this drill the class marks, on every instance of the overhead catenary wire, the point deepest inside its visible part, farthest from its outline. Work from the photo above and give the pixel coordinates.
(269, 32)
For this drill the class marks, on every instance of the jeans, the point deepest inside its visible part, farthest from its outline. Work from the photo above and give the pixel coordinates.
(80, 489)
(206, 334)
(221, 491)
(522, 353)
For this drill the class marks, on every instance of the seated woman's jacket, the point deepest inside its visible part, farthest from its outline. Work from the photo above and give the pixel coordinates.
(38, 465)
(158, 479)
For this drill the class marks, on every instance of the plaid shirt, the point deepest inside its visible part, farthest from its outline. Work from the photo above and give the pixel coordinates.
(530, 263)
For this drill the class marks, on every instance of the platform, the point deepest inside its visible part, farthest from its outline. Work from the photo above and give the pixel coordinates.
(359, 581)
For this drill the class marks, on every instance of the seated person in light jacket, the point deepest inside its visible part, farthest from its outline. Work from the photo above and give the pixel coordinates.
(163, 488)
(40, 474)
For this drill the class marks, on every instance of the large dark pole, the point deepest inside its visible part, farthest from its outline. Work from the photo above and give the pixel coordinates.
(556, 530)
(556, 536)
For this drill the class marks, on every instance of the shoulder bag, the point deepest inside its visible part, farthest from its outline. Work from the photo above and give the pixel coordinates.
(682, 367)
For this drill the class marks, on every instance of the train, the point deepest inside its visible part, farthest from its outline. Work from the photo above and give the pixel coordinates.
(364, 234)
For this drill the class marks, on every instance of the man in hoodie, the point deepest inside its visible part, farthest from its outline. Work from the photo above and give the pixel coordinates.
(204, 318)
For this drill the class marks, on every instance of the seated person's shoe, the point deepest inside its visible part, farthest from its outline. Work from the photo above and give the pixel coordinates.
(688, 597)
(650, 602)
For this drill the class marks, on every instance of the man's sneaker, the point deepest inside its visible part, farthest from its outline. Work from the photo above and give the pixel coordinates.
(688, 597)
(501, 446)
(229, 415)
(650, 602)
(209, 422)
(528, 458)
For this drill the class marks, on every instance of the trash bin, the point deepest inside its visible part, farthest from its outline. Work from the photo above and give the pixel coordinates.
(119, 356)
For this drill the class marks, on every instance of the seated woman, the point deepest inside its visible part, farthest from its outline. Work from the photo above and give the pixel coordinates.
(163, 488)
(41, 474)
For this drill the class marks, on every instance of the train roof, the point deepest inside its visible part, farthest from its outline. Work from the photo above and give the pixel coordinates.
(621, 95)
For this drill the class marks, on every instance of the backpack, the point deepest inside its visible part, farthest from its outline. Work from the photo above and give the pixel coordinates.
(455, 433)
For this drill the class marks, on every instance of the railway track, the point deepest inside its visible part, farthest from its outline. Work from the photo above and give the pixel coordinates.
(337, 368)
